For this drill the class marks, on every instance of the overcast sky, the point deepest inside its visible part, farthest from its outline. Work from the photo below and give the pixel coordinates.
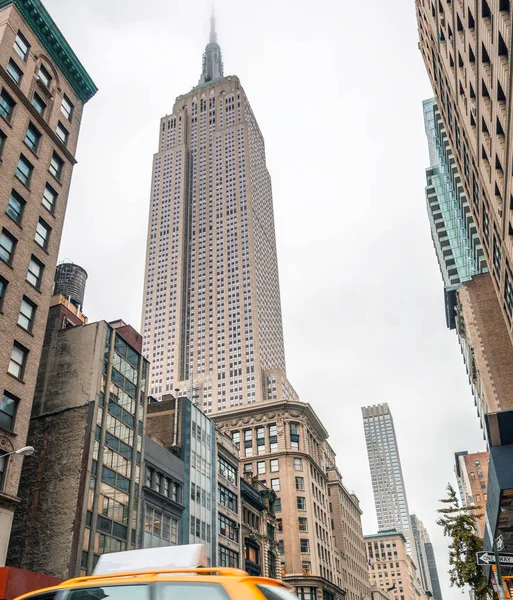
(337, 89)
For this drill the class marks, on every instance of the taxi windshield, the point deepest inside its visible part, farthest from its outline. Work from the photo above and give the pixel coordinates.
(165, 590)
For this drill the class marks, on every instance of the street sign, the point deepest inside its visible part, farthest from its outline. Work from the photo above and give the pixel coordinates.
(488, 558)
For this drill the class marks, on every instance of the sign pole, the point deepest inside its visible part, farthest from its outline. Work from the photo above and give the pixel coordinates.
(500, 583)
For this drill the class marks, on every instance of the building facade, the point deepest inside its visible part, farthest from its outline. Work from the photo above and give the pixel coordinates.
(162, 496)
(184, 429)
(391, 567)
(259, 528)
(229, 511)
(346, 529)
(471, 304)
(284, 447)
(433, 569)
(212, 310)
(427, 569)
(472, 476)
(467, 54)
(81, 498)
(43, 90)
(387, 478)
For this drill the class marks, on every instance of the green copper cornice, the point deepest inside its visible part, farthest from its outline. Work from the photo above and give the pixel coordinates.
(47, 32)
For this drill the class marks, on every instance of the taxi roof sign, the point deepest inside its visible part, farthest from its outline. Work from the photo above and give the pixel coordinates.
(191, 556)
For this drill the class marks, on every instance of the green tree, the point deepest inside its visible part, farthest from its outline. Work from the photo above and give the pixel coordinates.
(459, 524)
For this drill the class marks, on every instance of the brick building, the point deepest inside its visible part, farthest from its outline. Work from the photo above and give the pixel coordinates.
(43, 88)
(80, 497)
(472, 476)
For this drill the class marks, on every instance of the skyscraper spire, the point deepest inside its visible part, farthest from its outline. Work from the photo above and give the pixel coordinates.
(213, 34)
(212, 59)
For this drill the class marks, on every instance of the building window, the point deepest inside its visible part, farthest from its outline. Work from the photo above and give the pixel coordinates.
(18, 360)
(301, 504)
(44, 76)
(306, 567)
(32, 137)
(24, 170)
(8, 410)
(27, 314)
(228, 528)
(62, 133)
(49, 198)
(159, 526)
(7, 246)
(3, 137)
(304, 545)
(56, 166)
(298, 464)
(228, 471)
(38, 103)
(3, 291)
(22, 47)
(7, 105)
(236, 438)
(149, 475)
(294, 436)
(302, 523)
(508, 293)
(15, 207)
(275, 484)
(35, 272)
(261, 467)
(248, 442)
(227, 498)
(277, 505)
(496, 257)
(248, 469)
(14, 71)
(300, 483)
(273, 438)
(274, 465)
(228, 558)
(260, 438)
(281, 547)
(67, 107)
(42, 233)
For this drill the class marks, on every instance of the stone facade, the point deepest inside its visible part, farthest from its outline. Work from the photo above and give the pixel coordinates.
(81, 496)
(466, 49)
(259, 529)
(36, 139)
(346, 525)
(390, 567)
(283, 445)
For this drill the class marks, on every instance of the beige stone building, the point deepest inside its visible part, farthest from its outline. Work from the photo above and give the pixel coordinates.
(472, 476)
(284, 445)
(391, 568)
(467, 52)
(43, 88)
(346, 529)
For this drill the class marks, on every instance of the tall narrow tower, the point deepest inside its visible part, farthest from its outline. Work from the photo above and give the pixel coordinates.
(212, 312)
(386, 473)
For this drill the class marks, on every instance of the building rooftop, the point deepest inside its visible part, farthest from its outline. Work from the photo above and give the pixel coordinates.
(47, 32)
(388, 533)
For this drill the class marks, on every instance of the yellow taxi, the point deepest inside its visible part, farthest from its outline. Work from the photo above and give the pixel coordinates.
(173, 573)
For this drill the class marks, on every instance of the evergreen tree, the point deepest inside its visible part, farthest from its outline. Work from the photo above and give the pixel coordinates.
(459, 524)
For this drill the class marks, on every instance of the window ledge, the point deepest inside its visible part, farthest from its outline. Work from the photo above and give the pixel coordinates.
(55, 178)
(15, 378)
(8, 431)
(33, 151)
(10, 498)
(25, 330)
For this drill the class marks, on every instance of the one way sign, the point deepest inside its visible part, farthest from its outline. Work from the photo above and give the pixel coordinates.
(488, 558)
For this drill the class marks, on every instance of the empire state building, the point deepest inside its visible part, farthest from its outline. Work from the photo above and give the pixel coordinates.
(212, 313)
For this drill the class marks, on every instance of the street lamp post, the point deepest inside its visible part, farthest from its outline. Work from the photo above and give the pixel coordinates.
(25, 451)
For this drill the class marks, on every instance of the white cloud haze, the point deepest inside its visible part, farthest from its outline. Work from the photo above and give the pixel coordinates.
(337, 88)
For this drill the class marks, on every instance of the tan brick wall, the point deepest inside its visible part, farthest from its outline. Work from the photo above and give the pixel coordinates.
(10, 23)
(486, 335)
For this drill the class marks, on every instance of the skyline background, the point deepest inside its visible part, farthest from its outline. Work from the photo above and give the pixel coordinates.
(337, 90)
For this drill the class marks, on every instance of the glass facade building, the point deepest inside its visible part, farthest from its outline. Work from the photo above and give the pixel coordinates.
(114, 483)
(199, 454)
(458, 249)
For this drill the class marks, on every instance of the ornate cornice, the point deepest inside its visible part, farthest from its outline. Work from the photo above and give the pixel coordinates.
(47, 32)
